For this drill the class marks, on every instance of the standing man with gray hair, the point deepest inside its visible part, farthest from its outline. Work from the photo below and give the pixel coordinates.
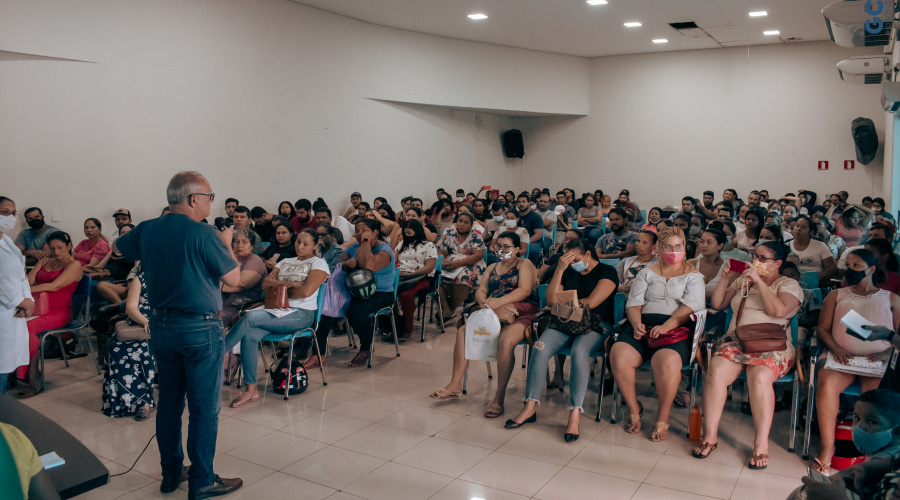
(184, 263)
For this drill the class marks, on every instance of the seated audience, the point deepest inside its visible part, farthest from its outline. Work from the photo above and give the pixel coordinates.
(114, 266)
(57, 276)
(887, 261)
(813, 254)
(328, 247)
(878, 306)
(230, 205)
(511, 223)
(630, 206)
(662, 299)
(852, 223)
(304, 275)
(753, 221)
(280, 249)
(442, 215)
(463, 251)
(532, 223)
(32, 241)
(709, 261)
(618, 243)
(241, 219)
(653, 218)
(760, 295)
(589, 219)
(510, 282)
(253, 270)
(605, 205)
(629, 267)
(130, 367)
(496, 224)
(351, 212)
(286, 210)
(822, 232)
(121, 217)
(596, 286)
(94, 248)
(305, 217)
(879, 211)
(416, 258)
(341, 228)
(262, 224)
(479, 210)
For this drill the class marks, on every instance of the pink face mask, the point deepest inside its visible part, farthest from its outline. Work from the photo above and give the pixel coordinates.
(672, 258)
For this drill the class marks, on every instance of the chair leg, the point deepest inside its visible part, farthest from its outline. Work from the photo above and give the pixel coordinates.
(466, 378)
(440, 312)
(600, 391)
(319, 357)
(62, 348)
(94, 353)
(350, 336)
(287, 379)
(615, 405)
(41, 353)
(810, 403)
(490, 375)
(794, 410)
(394, 328)
(372, 344)
(423, 325)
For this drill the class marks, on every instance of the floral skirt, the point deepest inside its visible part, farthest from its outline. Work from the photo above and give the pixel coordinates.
(780, 362)
(128, 380)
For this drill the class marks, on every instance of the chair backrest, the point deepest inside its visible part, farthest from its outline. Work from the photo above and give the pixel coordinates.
(81, 300)
(610, 262)
(574, 224)
(619, 307)
(438, 267)
(644, 215)
(396, 282)
(819, 296)
(542, 295)
(809, 279)
(320, 301)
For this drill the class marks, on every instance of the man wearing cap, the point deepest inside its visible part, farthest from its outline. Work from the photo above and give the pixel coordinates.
(122, 216)
(355, 198)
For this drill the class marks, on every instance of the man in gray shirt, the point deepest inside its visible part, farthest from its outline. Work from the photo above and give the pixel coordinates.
(31, 241)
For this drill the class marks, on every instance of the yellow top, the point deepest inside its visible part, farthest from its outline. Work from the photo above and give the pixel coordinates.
(26, 457)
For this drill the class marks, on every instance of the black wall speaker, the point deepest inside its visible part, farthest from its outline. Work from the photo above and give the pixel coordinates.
(866, 139)
(513, 145)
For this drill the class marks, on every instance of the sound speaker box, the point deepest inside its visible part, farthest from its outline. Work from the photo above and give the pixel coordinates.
(513, 145)
(866, 139)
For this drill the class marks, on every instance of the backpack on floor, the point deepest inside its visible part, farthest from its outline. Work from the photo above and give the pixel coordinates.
(298, 380)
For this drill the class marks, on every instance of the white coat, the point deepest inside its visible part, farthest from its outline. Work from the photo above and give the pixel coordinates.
(14, 289)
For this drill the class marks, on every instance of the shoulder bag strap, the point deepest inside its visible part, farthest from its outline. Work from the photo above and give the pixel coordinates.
(740, 313)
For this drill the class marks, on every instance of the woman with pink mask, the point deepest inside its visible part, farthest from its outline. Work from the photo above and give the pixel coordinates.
(662, 298)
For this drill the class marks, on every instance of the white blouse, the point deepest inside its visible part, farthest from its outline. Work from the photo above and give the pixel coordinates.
(413, 258)
(659, 295)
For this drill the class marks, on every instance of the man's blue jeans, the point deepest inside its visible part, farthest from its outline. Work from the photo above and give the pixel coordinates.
(189, 349)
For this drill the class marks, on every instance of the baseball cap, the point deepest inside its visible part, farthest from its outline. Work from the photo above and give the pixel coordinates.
(122, 211)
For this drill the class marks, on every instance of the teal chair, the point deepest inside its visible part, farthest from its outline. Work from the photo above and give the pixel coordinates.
(574, 224)
(386, 311)
(310, 332)
(809, 279)
(432, 293)
(610, 262)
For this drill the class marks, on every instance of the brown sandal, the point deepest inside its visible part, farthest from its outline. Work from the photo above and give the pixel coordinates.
(493, 411)
(634, 425)
(756, 457)
(661, 430)
(444, 394)
(361, 359)
(704, 446)
(237, 403)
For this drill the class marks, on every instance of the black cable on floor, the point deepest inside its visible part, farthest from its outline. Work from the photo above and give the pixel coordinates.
(136, 460)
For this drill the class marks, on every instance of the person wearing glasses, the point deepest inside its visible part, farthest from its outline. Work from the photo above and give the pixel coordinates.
(186, 333)
(662, 298)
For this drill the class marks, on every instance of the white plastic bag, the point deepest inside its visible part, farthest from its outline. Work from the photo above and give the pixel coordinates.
(482, 335)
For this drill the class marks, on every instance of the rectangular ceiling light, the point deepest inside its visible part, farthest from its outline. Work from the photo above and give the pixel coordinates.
(771, 32)
(597, 2)
(660, 40)
(477, 17)
(759, 13)
(633, 25)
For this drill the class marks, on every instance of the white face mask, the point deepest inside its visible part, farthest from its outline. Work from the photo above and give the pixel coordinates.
(7, 223)
(460, 198)
(533, 206)
(510, 224)
(498, 219)
(504, 255)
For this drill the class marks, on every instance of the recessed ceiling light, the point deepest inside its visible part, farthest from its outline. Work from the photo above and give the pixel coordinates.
(759, 13)
(597, 2)
(633, 25)
(477, 17)
(660, 40)
(771, 32)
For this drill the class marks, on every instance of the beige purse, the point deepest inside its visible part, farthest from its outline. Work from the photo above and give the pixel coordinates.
(126, 332)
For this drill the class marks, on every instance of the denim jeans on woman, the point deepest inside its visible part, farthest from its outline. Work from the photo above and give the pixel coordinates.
(580, 371)
(189, 349)
(255, 325)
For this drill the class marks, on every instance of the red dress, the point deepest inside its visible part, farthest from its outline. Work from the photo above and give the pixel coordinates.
(58, 316)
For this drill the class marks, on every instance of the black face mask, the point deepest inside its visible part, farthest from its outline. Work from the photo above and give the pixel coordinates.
(854, 277)
(409, 240)
(36, 223)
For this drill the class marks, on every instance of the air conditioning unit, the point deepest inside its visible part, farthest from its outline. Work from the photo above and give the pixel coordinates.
(860, 23)
(863, 70)
(890, 96)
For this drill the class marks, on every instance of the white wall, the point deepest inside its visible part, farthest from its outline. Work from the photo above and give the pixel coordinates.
(270, 99)
(677, 123)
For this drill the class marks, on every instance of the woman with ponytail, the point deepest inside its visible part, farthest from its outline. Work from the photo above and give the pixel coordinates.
(662, 298)
(759, 295)
(880, 307)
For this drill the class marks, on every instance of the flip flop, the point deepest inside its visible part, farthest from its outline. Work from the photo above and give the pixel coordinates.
(492, 412)
(659, 429)
(817, 465)
(237, 403)
(444, 394)
(756, 457)
(703, 447)
(360, 360)
(681, 401)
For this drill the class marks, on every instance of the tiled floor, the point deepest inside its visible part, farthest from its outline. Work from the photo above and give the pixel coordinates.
(375, 434)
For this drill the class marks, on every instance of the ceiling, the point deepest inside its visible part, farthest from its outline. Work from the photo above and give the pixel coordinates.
(576, 28)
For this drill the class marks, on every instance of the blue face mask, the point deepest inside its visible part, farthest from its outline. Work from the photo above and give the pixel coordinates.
(870, 442)
(578, 266)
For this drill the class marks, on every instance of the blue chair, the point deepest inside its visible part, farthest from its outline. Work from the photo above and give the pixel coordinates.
(386, 311)
(81, 318)
(306, 332)
(610, 262)
(809, 280)
(432, 293)
(644, 215)
(574, 224)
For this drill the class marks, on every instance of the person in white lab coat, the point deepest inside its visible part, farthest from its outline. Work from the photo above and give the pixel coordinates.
(15, 297)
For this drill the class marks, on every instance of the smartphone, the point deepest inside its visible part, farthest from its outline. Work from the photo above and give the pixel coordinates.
(486, 188)
(495, 192)
(737, 265)
(818, 476)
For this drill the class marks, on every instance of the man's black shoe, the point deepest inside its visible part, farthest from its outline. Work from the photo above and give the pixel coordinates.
(170, 484)
(221, 486)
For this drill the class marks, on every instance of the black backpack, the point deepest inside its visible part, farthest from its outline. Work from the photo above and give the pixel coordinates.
(298, 380)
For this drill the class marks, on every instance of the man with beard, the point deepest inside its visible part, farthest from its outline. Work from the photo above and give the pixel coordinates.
(31, 241)
(304, 218)
(619, 242)
(707, 207)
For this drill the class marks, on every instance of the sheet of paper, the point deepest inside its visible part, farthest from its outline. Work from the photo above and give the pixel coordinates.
(51, 460)
(854, 321)
(280, 313)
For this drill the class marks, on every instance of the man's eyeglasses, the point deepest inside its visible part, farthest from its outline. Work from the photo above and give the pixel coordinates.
(212, 196)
